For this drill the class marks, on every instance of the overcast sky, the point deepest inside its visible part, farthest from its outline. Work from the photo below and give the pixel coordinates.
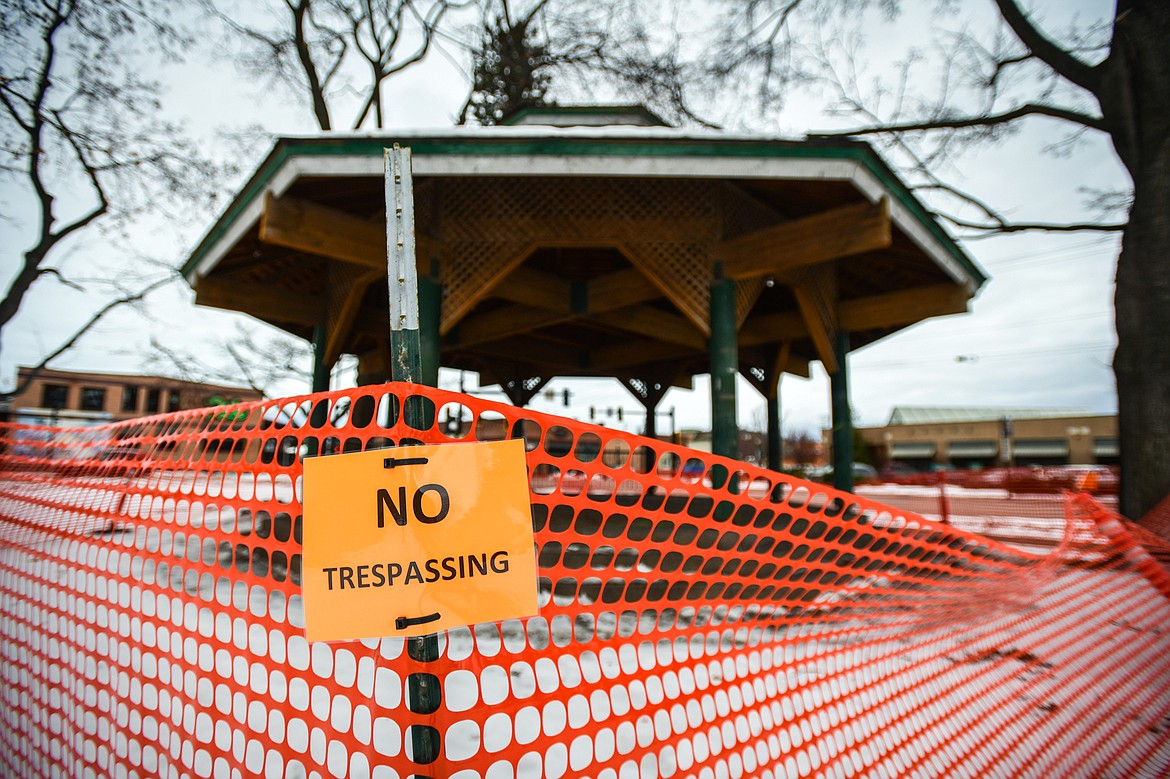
(1040, 332)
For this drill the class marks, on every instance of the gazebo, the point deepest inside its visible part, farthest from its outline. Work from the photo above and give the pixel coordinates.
(640, 252)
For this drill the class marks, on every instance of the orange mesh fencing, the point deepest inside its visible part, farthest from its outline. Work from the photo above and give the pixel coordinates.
(699, 617)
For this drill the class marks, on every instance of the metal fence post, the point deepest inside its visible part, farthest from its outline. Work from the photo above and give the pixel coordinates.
(423, 689)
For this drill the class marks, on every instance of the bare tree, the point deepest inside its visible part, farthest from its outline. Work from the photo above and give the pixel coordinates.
(802, 448)
(336, 52)
(1111, 78)
(531, 52)
(259, 362)
(510, 68)
(125, 297)
(81, 138)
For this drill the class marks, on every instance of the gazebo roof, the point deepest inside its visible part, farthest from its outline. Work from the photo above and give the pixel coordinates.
(589, 250)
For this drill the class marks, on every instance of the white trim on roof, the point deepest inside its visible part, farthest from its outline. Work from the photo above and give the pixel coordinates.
(281, 181)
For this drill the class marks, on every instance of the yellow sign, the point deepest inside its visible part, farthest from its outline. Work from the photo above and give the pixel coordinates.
(412, 540)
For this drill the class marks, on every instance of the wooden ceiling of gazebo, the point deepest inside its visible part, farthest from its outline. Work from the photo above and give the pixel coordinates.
(585, 254)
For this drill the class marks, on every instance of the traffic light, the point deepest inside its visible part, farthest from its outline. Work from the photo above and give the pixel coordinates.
(593, 412)
(565, 396)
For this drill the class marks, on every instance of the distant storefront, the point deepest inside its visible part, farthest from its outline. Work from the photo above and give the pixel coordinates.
(922, 438)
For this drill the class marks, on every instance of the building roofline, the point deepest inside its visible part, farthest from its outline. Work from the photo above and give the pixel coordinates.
(59, 373)
(632, 110)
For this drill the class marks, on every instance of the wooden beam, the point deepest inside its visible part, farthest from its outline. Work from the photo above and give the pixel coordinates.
(327, 232)
(904, 307)
(772, 328)
(610, 358)
(816, 293)
(536, 288)
(893, 309)
(655, 323)
(504, 323)
(810, 240)
(620, 289)
(605, 293)
(553, 358)
(260, 300)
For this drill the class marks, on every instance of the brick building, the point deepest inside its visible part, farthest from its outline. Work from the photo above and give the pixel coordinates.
(71, 398)
(926, 437)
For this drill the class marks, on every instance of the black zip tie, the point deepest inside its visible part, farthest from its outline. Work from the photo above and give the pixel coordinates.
(391, 462)
(402, 623)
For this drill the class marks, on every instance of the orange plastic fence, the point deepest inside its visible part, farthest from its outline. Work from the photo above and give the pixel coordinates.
(699, 617)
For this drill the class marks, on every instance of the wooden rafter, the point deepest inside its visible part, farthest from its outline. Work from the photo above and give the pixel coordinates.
(505, 323)
(535, 288)
(904, 307)
(556, 357)
(876, 312)
(346, 290)
(260, 300)
(815, 289)
(620, 289)
(326, 232)
(464, 293)
(611, 358)
(655, 323)
(810, 240)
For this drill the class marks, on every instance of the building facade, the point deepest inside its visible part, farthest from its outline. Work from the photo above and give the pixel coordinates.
(922, 438)
(71, 398)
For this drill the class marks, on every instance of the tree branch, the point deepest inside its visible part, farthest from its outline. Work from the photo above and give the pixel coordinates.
(998, 224)
(1072, 68)
(1022, 227)
(61, 278)
(990, 120)
(71, 341)
(305, 56)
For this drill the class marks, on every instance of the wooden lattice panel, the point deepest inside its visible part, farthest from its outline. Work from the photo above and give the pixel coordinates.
(747, 292)
(488, 226)
(347, 284)
(683, 272)
(743, 213)
(470, 269)
(556, 211)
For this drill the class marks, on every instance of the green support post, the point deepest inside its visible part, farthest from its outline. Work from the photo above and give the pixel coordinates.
(320, 369)
(430, 296)
(423, 690)
(842, 417)
(775, 441)
(724, 367)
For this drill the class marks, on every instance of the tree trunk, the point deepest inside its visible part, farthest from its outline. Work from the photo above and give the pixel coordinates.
(1142, 361)
(1135, 100)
